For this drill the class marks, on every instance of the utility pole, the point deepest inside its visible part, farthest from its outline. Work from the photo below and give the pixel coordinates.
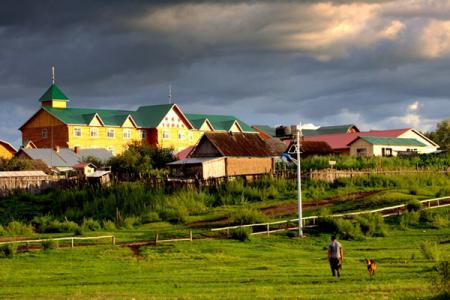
(299, 181)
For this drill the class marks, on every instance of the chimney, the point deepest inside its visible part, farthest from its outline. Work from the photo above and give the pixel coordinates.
(76, 149)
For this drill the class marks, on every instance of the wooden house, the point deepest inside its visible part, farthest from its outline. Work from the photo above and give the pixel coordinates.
(57, 125)
(365, 146)
(7, 151)
(221, 154)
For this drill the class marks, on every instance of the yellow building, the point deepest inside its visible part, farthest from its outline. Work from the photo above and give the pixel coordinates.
(166, 126)
(7, 151)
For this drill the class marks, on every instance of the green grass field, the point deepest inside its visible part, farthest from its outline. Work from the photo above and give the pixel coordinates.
(275, 267)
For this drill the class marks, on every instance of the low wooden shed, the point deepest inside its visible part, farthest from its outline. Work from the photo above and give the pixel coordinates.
(224, 155)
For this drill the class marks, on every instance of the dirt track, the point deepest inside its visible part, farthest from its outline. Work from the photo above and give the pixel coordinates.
(285, 209)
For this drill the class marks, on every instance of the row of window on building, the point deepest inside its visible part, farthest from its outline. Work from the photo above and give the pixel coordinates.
(126, 133)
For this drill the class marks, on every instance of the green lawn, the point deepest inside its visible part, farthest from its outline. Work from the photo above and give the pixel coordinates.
(266, 267)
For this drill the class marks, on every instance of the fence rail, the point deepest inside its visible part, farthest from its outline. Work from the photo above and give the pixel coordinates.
(71, 239)
(394, 210)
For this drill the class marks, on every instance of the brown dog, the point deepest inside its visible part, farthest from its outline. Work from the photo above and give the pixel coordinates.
(371, 266)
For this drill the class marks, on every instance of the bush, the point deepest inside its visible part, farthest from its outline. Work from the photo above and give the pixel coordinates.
(241, 234)
(348, 230)
(439, 222)
(8, 251)
(247, 215)
(2, 231)
(18, 228)
(129, 222)
(109, 225)
(409, 219)
(150, 217)
(47, 224)
(414, 205)
(174, 214)
(50, 244)
(372, 225)
(90, 225)
(328, 225)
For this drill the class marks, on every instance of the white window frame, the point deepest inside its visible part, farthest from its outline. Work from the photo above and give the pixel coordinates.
(44, 133)
(110, 130)
(93, 132)
(191, 136)
(77, 132)
(166, 134)
(127, 134)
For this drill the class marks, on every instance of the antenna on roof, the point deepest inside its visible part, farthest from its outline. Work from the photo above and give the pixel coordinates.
(170, 94)
(53, 74)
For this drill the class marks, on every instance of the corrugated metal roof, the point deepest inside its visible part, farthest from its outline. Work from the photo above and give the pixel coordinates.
(192, 160)
(99, 153)
(65, 157)
(342, 140)
(236, 144)
(391, 141)
(22, 174)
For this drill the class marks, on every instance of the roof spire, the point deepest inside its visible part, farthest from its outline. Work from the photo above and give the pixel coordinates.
(53, 74)
(170, 94)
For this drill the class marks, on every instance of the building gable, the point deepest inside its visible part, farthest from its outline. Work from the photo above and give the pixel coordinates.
(41, 119)
(414, 134)
(206, 126)
(96, 121)
(129, 122)
(174, 119)
(206, 148)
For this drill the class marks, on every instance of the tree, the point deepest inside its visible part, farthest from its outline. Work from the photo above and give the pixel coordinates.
(442, 134)
(141, 160)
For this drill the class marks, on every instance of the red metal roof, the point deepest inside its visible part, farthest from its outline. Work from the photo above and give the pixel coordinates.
(184, 153)
(341, 140)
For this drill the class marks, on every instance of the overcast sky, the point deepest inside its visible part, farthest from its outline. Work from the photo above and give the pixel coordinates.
(377, 64)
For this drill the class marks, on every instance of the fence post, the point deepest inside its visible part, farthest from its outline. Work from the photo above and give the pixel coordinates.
(71, 243)
(190, 235)
(156, 238)
(113, 240)
(268, 229)
(438, 203)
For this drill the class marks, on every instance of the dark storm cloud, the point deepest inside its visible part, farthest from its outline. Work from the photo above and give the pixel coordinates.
(265, 61)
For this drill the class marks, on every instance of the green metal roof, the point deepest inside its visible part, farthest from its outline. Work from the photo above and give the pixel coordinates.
(150, 116)
(83, 116)
(53, 93)
(392, 141)
(219, 122)
(145, 116)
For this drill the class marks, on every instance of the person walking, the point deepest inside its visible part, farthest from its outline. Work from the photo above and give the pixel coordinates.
(335, 256)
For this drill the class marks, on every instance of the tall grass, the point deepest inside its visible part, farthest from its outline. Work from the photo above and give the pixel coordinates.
(149, 204)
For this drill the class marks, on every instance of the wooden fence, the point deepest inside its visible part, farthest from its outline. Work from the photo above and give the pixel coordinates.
(331, 175)
(157, 240)
(311, 220)
(72, 239)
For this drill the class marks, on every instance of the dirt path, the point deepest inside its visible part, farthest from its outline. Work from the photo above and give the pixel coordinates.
(285, 209)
